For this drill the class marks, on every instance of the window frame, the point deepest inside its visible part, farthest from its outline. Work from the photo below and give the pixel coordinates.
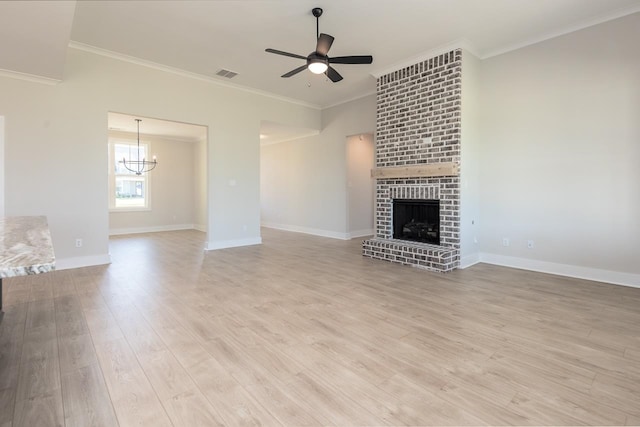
(146, 177)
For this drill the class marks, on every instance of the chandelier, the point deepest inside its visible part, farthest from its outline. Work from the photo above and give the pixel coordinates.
(139, 166)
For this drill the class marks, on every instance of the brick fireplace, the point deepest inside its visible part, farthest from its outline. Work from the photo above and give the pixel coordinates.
(417, 158)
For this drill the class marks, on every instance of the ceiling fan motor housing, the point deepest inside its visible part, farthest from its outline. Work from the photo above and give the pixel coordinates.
(315, 57)
(317, 63)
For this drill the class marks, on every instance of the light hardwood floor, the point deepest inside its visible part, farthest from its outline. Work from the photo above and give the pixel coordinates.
(303, 330)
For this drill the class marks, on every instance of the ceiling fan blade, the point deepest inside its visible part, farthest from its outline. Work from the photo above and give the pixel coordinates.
(355, 59)
(324, 44)
(279, 52)
(333, 74)
(296, 71)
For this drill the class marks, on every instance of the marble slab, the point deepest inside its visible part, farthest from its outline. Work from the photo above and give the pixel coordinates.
(25, 246)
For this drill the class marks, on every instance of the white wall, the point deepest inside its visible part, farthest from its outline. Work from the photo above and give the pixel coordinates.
(360, 152)
(200, 185)
(560, 123)
(303, 187)
(172, 183)
(469, 160)
(303, 182)
(56, 156)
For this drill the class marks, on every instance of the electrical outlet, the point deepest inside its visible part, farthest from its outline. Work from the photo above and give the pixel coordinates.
(78, 243)
(530, 244)
(505, 241)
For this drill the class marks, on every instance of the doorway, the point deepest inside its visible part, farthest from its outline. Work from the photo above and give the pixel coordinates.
(172, 196)
(360, 152)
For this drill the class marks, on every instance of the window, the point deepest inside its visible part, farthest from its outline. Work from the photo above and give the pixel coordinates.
(127, 191)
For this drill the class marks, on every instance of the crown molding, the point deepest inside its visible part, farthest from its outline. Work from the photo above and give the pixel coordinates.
(183, 73)
(456, 44)
(469, 47)
(29, 77)
(355, 98)
(293, 138)
(600, 19)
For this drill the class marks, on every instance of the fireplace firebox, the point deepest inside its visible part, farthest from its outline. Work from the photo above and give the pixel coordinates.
(416, 220)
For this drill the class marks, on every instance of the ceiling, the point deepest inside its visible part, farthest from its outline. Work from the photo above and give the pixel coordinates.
(202, 37)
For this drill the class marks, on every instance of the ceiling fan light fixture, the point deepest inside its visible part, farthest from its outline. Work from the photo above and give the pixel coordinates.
(317, 66)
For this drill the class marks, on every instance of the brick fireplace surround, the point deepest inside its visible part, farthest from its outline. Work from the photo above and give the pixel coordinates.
(418, 123)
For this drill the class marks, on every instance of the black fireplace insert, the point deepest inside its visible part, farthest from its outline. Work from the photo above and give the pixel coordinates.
(416, 220)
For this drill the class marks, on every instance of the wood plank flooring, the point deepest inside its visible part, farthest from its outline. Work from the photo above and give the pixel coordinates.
(303, 330)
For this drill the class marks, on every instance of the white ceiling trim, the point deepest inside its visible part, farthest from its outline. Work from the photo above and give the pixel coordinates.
(619, 13)
(468, 46)
(456, 44)
(29, 77)
(183, 73)
(293, 138)
(355, 98)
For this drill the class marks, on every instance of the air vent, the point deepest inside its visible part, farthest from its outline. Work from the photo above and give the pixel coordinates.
(226, 73)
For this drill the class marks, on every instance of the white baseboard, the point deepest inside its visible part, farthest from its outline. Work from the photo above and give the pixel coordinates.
(360, 233)
(154, 229)
(587, 273)
(469, 260)
(82, 261)
(307, 230)
(223, 244)
(200, 227)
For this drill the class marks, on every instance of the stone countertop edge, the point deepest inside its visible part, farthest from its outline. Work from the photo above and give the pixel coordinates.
(32, 236)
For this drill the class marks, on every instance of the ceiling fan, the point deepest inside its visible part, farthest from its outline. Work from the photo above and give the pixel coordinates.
(318, 61)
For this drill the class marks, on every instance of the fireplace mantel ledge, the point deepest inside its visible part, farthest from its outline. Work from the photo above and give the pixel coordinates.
(415, 171)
